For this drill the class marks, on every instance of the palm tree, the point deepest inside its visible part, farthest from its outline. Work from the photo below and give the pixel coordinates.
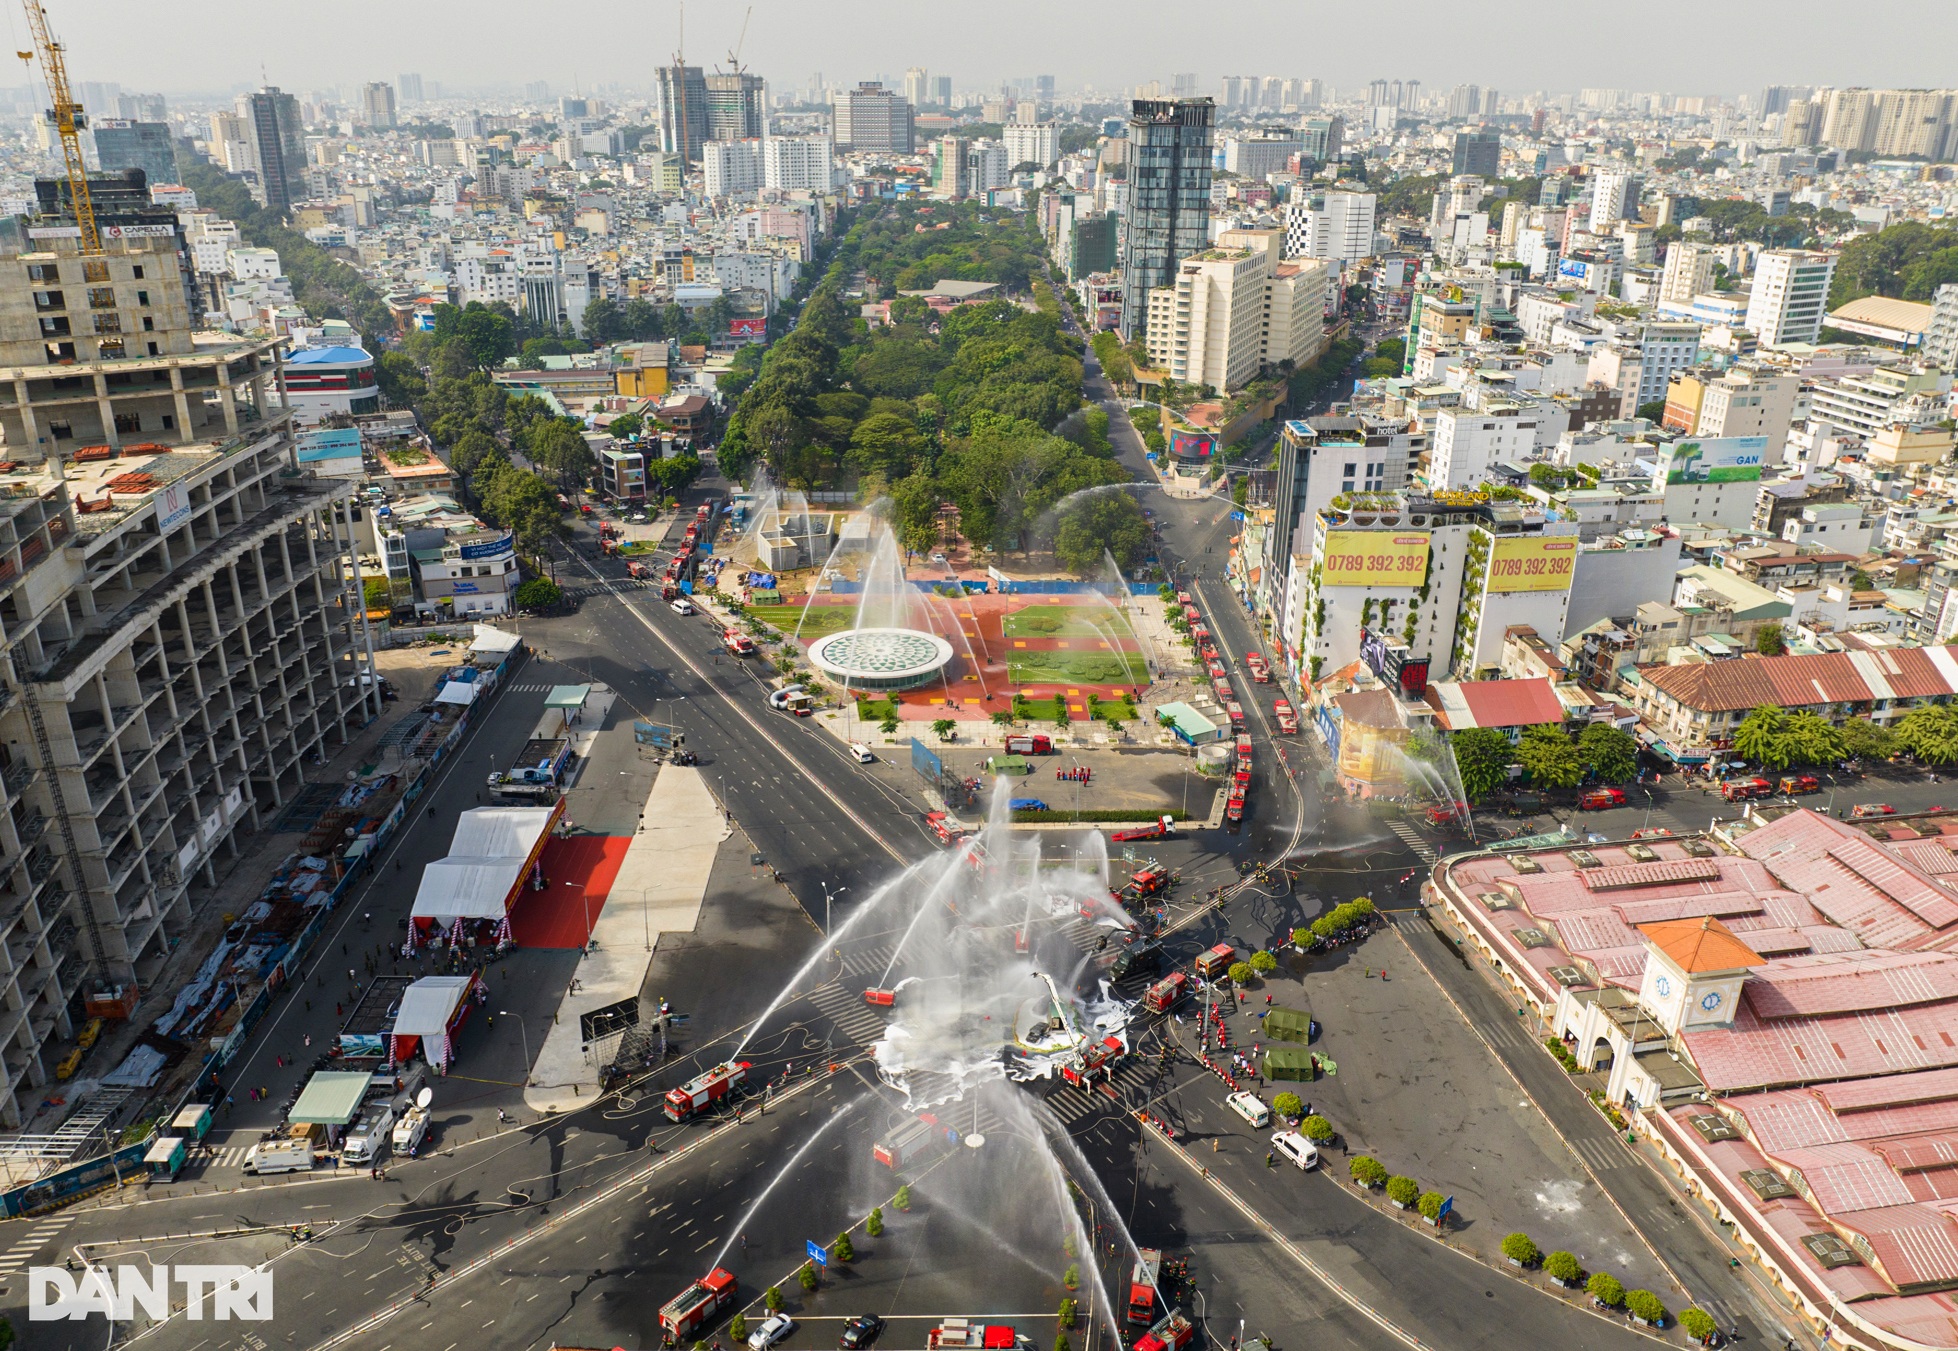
(942, 728)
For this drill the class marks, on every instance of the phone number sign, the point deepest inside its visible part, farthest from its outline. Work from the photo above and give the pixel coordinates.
(1532, 563)
(1375, 558)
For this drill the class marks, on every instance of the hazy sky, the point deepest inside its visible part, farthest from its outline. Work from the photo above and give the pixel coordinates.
(1708, 46)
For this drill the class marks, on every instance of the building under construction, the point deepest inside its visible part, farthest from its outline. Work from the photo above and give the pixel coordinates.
(176, 641)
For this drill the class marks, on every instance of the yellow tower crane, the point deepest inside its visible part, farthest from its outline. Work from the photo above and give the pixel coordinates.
(67, 118)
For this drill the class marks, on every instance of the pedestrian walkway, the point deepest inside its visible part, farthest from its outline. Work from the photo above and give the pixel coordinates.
(1414, 840)
(848, 1014)
(26, 1249)
(659, 889)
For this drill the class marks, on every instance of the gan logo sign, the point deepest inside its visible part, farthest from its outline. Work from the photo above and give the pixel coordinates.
(1375, 558)
(218, 1292)
(1532, 563)
(1720, 459)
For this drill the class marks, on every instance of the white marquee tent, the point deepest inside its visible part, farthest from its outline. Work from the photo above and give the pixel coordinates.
(492, 849)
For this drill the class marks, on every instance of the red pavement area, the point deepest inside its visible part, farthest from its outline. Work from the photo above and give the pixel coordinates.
(556, 917)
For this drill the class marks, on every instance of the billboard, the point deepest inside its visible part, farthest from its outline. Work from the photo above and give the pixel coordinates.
(172, 507)
(1532, 563)
(1375, 558)
(502, 544)
(1198, 446)
(747, 328)
(1723, 459)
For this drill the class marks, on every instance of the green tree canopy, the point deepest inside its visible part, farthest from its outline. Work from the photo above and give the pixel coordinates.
(1550, 758)
(1482, 757)
(1609, 752)
(1097, 525)
(1862, 738)
(1930, 733)
(1763, 736)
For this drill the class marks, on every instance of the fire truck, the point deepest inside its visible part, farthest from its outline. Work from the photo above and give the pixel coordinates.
(1146, 882)
(906, 1144)
(1165, 993)
(1234, 809)
(1216, 961)
(1162, 829)
(740, 644)
(1740, 790)
(1260, 673)
(1142, 1286)
(963, 1332)
(698, 1305)
(1094, 1062)
(1288, 721)
(710, 1088)
(1222, 689)
(1173, 1333)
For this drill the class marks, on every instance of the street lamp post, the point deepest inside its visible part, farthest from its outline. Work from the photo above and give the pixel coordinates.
(523, 1029)
(586, 893)
(827, 895)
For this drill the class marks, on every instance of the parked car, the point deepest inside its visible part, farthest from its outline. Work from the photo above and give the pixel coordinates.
(860, 1332)
(682, 606)
(861, 753)
(773, 1329)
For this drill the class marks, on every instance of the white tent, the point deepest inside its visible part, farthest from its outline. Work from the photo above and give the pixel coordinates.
(493, 641)
(428, 1011)
(458, 692)
(485, 866)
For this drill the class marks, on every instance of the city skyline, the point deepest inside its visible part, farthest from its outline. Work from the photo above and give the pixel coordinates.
(1756, 43)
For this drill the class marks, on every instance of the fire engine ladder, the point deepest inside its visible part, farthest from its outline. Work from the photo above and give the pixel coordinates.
(77, 877)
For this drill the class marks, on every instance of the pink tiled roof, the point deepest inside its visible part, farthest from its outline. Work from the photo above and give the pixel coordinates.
(1896, 1090)
(1512, 703)
(1915, 1244)
(1871, 891)
(1847, 1176)
(1756, 1054)
(1851, 982)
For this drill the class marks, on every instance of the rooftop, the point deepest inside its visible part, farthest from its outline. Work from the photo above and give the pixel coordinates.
(1703, 944)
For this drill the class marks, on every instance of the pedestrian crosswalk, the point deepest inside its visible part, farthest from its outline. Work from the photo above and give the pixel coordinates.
(848, 1013)
(1412, 838)
(227, 1156)
(41, 1235)
(1598, 1155)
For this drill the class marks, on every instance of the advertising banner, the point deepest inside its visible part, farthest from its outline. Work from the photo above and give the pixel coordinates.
(747, 328)
(1192, 445)
(1722, 459)
(1532, 563)
(1375, 558)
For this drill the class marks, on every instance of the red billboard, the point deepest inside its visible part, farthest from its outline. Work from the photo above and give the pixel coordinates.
(747, 328)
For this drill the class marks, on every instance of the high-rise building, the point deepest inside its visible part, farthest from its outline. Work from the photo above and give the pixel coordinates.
(986, 167)
(798, 163)
(941, 90)
(1478, 150)
(571, 108)
(1258, 157)
(1336, 226)
(917, 86)
(873, 120)
(1184, 85)
(537, 91)
(121, 145)
(1039, 144)
(682, 110)
(737, 107)
(1043, 88)
(949, 169)
(377, 104)
(732, 168)
(140, 108)
(1888, 123)
(1322, 138)
(277, 145)
(144, 743)
(1168, 211)
(1790, 295)
(1941, 336)
(1464, 100)
(1614, 197)
(408, 88)
(1688, 272)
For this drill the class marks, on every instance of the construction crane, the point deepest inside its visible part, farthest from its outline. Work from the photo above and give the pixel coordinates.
(734, 57)
(68, 119)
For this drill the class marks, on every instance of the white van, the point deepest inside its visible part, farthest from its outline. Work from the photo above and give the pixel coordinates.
(1251, 1108)
(279, 1156)
(369, 1135)
(1295, 1147)
(408, 1131)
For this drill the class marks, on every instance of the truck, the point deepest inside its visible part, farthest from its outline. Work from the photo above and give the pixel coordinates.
(1288, 721)
(1166, 993)
(1093, 1062)
(1260, 673)
(410, 1131)
(906, 1143)
(1235, 712)
(1242, 746)
(698, 1305)
(368, 1136)
(1144, 884)
(1222, 689)
(944, 827)
(1174, 1333)
(1162, 829)
(964, 1333)
(1741, 790)
(1136, 959)
(1234, 810)
(1601, 799)
(279, 1156)
(1216, 961)
(1142, 1286)
(740, 644)
(538, 771)
(1794, 785)
(1030, 745)
(705, 1090)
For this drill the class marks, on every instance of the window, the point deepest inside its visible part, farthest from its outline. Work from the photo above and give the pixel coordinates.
(49, 300)
(54, 327)
(128, 424)
(169, 419)
(95, 269)
(149, 326)
(61, 431)
(108, 323)
(101, 297)
(109, 349)
(1350, 470)
(43, 272)
(60, 351)
(137, 273)
(142, 297)
(153, 352)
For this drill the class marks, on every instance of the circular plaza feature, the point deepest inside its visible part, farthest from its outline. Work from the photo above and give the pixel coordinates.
(881, 659)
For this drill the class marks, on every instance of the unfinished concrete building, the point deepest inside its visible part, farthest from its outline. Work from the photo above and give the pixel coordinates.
(177, 633)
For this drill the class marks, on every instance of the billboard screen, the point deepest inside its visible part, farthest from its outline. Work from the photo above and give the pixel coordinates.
(1723, 459)
(1532, 563)
(1192, 445)
(747, 328)
(1375, 558)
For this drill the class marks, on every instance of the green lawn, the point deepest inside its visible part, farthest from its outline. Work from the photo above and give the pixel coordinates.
(818, 621)
(1068, 621)
(1080, 668)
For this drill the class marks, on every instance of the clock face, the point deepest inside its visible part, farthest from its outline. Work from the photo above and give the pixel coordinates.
(1663, 985)
(1711, 1001)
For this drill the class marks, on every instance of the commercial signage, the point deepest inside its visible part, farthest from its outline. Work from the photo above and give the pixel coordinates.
(329, 443)
(1573, 267)
(489, 548)
(1374, 558)
(1192, 445)
(1532, 563)
(107, 232)
(747, 328)
(172, 507)
(1722, 459)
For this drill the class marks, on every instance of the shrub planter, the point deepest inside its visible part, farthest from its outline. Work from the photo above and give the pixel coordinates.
(1514, 1262)
(1397, 1205)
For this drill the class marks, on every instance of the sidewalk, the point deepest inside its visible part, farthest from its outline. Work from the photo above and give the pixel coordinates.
(659, 889)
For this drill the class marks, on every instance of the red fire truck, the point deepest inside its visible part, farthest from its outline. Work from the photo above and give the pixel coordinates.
(740, 644)
(1163, 828)
(1260, 673)
(1216, 961)
(1165, 993)
(1234, 810)
(906, 1144)
(1094, 1062)
(710, 1088)
(963, 1332)
(698, 1305)
(1146, 882)
(1288, 721)
(1173, 1333)
(1142, 1286)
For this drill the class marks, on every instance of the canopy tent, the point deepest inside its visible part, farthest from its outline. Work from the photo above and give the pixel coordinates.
(457, 692)
(431, 1010)
(570, 698)
(494, 642)
(330, 1098)
(1288, 1024)
(493, 848)
(1287, 1064)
